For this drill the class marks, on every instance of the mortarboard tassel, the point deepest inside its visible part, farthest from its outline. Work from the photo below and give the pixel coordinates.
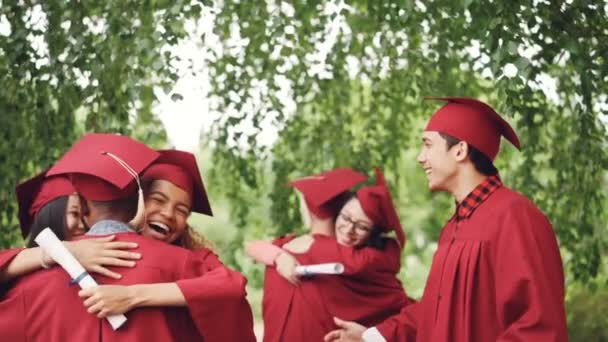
(140, 216)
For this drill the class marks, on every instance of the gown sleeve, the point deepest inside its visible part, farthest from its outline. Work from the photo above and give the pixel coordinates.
(216, 299)
(362, 262)
(529, 278)
(402, 326)
(6, 256)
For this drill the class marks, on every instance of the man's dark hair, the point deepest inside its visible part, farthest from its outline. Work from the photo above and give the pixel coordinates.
(52, 215)
(482, 163)
(124, 208)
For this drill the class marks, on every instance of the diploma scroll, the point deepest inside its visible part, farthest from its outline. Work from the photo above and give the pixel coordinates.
(51, 245)
(328, 268)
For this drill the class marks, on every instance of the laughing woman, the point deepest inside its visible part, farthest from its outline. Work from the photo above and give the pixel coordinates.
(174, 189)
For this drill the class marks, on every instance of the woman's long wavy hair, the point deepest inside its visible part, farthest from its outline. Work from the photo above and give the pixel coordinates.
(191, 239)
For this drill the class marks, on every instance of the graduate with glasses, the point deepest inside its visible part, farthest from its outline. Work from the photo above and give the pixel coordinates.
(297, 308)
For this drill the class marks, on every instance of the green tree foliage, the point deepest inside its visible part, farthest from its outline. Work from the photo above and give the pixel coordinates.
(67, 67)
(586, 318)
(341, 82)
(358, 72)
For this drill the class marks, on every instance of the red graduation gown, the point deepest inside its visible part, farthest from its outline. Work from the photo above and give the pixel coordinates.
(52, 311)
(6, 256)
(216, 301)
(368, 291)
(292, 313)
(496, 276)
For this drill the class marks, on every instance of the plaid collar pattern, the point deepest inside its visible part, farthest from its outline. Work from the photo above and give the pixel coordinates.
(466, 208)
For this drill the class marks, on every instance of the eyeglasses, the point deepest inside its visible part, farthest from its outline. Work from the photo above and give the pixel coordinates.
(359, 227)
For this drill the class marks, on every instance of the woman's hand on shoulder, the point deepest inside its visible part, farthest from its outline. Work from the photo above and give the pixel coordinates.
(97, 254)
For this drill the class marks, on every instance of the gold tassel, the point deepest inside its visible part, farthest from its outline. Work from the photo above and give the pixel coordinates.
(137, 223)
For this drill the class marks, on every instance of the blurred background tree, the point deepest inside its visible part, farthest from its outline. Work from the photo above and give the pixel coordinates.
(332, 83)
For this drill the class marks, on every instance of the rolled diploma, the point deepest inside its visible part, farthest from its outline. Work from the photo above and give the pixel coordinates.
(328, 268)
(51, 245)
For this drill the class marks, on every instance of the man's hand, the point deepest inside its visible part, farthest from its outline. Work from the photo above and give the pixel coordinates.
(348, 332)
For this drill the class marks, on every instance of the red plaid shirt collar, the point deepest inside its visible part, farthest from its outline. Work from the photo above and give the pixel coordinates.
(466, 208)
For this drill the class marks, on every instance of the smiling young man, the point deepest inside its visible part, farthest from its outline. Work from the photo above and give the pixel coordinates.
(497, 273)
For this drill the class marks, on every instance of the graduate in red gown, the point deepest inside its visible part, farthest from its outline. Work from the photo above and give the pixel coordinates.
(368, 291)
(222, 292)
(49, 196)
(174, 189)
(497, 274)
(52, 201)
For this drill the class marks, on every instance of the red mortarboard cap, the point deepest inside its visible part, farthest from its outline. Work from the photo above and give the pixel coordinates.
(37, 192)
(320, 190)
(472, 121)
(95, 170)
(377, 203)
(180, 168)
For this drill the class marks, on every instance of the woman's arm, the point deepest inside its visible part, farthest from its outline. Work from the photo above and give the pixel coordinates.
(106, 300)
(93, 254)
(273, 255)
(214, 295)
(23, 261)
(263, 251)
(356, 261)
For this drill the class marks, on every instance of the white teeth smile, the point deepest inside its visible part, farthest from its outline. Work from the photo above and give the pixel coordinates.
(159, 227)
